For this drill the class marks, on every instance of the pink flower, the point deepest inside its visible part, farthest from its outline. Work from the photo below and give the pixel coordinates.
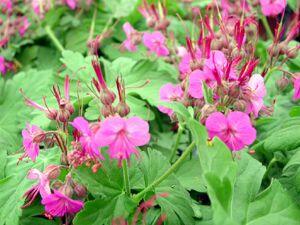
(6, 5)
(24, 26)
(71, 4)
(2, 65)
(123, 135)
(90, 145)
(235, 130)
(130, 32)
(155, 42)
(296, 82)
(216, 66)
(58, 204)
(195, 85)
(257, 89)
(42, 187)
(181, 51)
(272, 7)
(168, 93)
(32, 137)
(40, 7)
(186, 62)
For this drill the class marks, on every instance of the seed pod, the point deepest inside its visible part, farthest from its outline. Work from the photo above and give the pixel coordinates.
(240, 105)
(107, 97)
(80, 190)
(39, 137)
(107, 110)
(122, 109)
(292, 53)
(70, 108)
(63, 115)
(51, 114)
(53, 171)
(282, 83)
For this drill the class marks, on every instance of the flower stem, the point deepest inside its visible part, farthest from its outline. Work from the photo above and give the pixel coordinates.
(140, 195)
(175, 147)
(92, 28)
(52, 36)
(267, 27)
(126, 177)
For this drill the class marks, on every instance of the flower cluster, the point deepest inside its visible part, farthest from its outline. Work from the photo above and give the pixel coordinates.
(58, 203)
(217, 75)
(121, 135)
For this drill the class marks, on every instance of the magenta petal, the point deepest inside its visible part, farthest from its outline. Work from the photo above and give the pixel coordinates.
(195, 87)
(257, 85)
(241, 124)
(81, 125)
(216, 124)
(137, 131)
(296, 82)
(109, 129)
(58, 204)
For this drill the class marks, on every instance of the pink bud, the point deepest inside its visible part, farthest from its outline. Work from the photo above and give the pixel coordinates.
(53, 171)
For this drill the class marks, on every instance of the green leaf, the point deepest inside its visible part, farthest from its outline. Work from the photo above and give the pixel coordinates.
(103, 211)
(284, 139)
(233, 186)
(14, 112)
(177, 205)
(273, 206)
(120, 8)
(189, 176)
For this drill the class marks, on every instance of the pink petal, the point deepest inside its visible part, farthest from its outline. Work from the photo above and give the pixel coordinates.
(244, 130)
(137, 131)
(195, 87)
(257, 85)
(109, 129)
(128, 29)
(81, 125)
(296, 82)
(216, 124)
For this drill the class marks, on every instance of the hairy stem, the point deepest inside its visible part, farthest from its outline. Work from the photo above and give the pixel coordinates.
(126, 177)
(188, 150)
(54, 39)
(92, 28)
(175, 147)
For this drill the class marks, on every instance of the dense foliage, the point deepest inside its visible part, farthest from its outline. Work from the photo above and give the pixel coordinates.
(149, 112)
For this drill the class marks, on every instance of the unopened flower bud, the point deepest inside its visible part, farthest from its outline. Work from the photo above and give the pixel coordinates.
(273, 50)
(80, 190)
(39, 137)
(96, 167)
(63, 115)
(150, 22)
(107, 97)
(282, 83)
(70, 108)
(216, 44)
(57, 184)
(292, 53)
(162, 25)
(122, 109)
(266, 111)
(234, 91)
(199, 103)
(107, 110)
(240, 105)
(51, 114)
(206, 110)
(282, 48)
(53, 171)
